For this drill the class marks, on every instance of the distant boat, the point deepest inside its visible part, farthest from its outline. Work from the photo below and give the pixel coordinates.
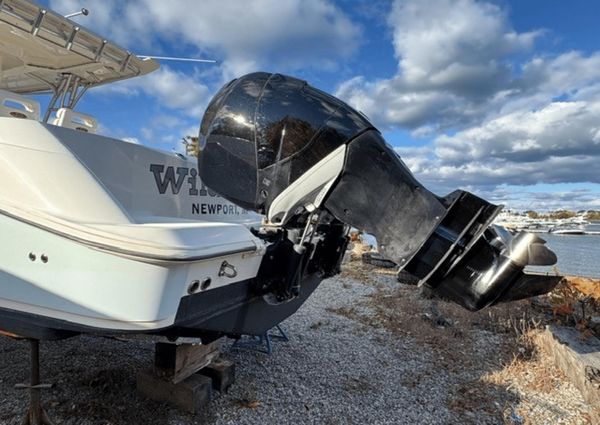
(574, 231)
(569, 229)
(538, 227)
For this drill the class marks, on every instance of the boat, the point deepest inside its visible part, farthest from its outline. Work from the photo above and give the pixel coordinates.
(569, 229)
(571, 226)
(101, 236)
(521, 222)
(98, 234)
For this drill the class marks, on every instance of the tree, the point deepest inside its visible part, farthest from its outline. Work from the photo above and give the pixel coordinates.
(562, 214)
(532, 214)
(592, 215)
(191, 146)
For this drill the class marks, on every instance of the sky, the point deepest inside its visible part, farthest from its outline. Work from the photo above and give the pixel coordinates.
(501, 98)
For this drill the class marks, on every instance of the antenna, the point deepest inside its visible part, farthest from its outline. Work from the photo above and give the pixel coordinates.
(171, 58)
(83, 12)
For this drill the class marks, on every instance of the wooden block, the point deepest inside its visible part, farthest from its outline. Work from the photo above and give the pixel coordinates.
(579, 359)
(222, 373)
(176, 362)
(192, 394)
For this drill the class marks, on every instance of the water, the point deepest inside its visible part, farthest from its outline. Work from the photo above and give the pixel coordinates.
(578, 255)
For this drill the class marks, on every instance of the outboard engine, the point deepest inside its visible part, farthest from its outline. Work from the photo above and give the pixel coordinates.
(273, 144)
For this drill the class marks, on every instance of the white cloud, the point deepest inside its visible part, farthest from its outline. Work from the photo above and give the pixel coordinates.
(172, 89)
(176, 90)
(452, 60)
(490, 172)
(250, 34)
(453, 44)
(245, 36)
(544, 200)
(417, 159)
(133, 140)
(101, 18)
(559, 129)
(167, 133)
(493, 118)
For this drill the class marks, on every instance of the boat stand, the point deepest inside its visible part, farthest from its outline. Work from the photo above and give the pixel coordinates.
(185, 374)
(36, 415)
(262, 343)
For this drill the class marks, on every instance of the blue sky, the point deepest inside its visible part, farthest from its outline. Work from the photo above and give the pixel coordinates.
(500, 97)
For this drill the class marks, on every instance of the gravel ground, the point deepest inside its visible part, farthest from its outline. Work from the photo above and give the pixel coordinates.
(346, 362)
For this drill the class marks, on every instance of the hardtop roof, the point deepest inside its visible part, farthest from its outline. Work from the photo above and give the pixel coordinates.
(38, 47)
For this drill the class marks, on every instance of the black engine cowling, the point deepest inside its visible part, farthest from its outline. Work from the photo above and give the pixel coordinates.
(267, 139)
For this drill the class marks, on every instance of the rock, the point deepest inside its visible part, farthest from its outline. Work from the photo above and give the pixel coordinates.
(579, 359)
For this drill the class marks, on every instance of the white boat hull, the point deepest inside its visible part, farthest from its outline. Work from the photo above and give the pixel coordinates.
(569, 232)
(95, 237)
(100, 289)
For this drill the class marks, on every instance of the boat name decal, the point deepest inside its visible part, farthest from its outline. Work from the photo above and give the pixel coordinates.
(175, 177)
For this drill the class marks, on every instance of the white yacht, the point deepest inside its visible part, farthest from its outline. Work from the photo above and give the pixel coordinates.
(103, 236)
